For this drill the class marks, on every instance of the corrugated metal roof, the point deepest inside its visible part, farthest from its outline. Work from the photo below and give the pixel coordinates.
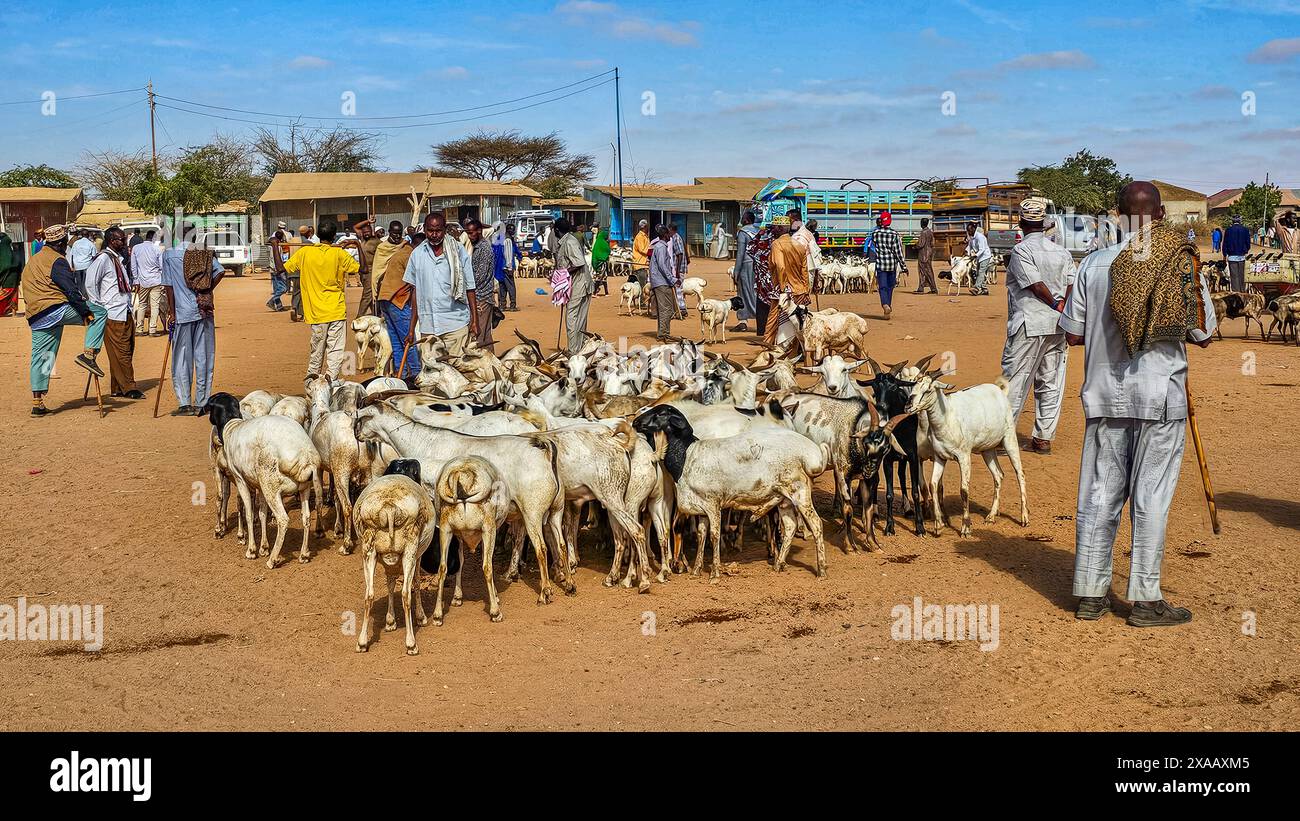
(1290, 198)
(39, 194)
(566, 202)
(731, 189)
(103, 213)
(370, 184)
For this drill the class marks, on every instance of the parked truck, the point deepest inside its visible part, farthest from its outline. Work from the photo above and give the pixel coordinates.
(846, 213)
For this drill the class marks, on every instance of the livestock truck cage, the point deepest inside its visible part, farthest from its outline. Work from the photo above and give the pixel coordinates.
(846, 208)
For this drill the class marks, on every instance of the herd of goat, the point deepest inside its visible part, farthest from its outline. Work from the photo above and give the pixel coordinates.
(658, 446)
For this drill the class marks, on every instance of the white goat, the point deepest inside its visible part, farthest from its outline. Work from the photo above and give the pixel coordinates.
(694, 285)
(961, 269)
(755, 472)
(630, 297)
(975, 420)
(713, 316)
(473, 503)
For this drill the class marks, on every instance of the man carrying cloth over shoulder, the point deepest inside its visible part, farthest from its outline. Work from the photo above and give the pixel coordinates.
(1134, 307)
(53, 295)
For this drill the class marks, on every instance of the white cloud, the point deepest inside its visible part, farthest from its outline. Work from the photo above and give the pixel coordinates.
(1073, 59)
(309, 61)
(613, 20)
(1281, 50)
(452, 73)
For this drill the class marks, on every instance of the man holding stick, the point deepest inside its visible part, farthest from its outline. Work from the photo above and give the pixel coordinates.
(442, 276)
(1134, 306)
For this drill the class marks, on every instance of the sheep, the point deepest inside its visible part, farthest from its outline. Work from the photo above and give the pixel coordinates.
(371, 334)
(528, 469)
(258, 403)
(1234, 305)
(630, 297)
(694, 285)
(221, 468)
(752, 471)
(827, 331)
(975, 420)
(273, 455)
(473, 503)
(594, 466)
(961, 268)
(394, 520)
(296, 408)
(713, 316)
(346, 460)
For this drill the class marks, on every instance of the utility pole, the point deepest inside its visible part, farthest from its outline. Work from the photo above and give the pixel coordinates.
(618, 130)
(153, 140)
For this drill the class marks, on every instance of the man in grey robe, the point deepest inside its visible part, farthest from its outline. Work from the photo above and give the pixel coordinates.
(1135, 406)
(571, 255)
(744, 272)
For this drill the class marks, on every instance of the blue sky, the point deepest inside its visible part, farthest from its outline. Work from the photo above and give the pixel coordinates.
(831, 89)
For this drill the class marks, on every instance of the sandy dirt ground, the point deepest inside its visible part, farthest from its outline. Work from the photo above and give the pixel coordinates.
(196, 637)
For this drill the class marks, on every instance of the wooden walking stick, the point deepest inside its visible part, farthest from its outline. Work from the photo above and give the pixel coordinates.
(1204, 466)
(167, 349)
(406, 349)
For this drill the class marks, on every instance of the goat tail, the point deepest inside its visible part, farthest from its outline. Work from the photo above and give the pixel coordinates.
(1003, 384)
(625, 435)
(557, 502)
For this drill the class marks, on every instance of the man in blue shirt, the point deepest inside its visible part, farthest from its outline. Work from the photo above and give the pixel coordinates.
(1236, 244)
(193, 334)
(442, 275)
(81, 252)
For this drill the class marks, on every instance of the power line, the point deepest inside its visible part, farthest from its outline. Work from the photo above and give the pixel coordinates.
(394, 127)
(73, 97)
(392, 116)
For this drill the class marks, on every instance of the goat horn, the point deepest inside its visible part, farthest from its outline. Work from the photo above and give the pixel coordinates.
(894, 422)
(897, 368)
(923, 362)
(875, 366)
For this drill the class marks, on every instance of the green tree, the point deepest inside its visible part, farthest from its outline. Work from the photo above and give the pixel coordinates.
(1256, 206)
(36, 176)
(1083, 181)
(194, 188)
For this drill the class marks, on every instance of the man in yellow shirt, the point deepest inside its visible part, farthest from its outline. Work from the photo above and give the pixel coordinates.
(323, 270)
(641, 253)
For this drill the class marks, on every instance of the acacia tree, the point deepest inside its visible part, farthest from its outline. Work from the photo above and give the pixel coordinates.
(1256, 206)
(304, 149)
(112, 173)
(36, 176)
(1083, 181)
(501, 155)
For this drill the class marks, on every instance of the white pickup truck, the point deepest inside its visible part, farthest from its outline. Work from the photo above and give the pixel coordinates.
(232, 256)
